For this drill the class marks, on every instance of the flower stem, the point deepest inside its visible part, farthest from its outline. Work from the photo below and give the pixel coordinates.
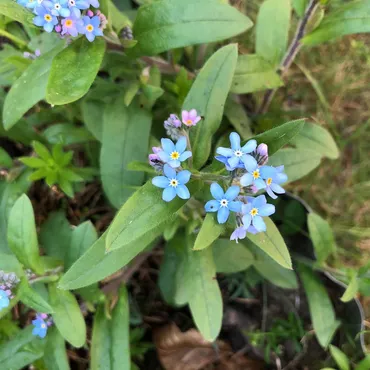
(189, 146)
(13, 38)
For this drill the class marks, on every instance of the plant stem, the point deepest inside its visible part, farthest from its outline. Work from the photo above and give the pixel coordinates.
(189, 147)
(13, 38)
(209, 176)
(292, 52)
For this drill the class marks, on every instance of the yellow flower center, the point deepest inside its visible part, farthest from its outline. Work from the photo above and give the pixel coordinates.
(256, 174)
(269, 181)
(175, 155)
(188, 122)
(254, 212)
(69, 23)
(224, 202)
(48, 17)
(90, 28)
(174, 183)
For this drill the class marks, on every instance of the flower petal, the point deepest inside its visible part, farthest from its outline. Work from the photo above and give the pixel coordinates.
(232, 192)
(222, 215)
(184, 156)
(277, 189)
(246, 179)
(235, 206)
(184, 115)
(259, 201)
(267, 171)
(163, 156)
(216, 191)
(175, 163)
(160, 182)
(266, 210)
(183, 177)
(258, 223)
(181, 144)
(38, 21)
(233, 161)
(169, 171)
(212, 206)
(183, 192)
(226, 152)
(247, 219)
(239, 233)
(235, 141)
(250, 163)
(193, 114)
(221, 158)
(250, 146)
(90, 36)
(280, 178)
(168, 146)
(197, 119)
(259, 184)
(168, 194)
(270, 192)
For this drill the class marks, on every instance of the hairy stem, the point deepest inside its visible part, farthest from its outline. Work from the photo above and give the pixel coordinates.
(291, 54)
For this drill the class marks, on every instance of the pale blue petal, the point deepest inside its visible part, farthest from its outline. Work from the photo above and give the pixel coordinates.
(258, 223)
(246, 208)
(181, 144)
(168, 194)
(259, 184)
(233, 162)
(259, 201)
(212, 206)
(160, 182)
(174, 163)
(184, 156)
(246, 179)
(38, 21)
(270, 193)
(247, 219)
(65, 12)
(250, 146)
(48, 27)
(277, 189)
(235, 141)
(95, 21)
(164, 156)
(280, 168)
(90, 36)
(266, 210)
(232, 192)
(183, 192)
(222, 215)
(226, 152)
(250, 163)
(98, 32)
(167, 145)
(250, 200)
(169, 171)
(235, 206)
(221, 159)
(251, 229)
(267, 171)
(280, 178)
(216, 191)
(183, 177)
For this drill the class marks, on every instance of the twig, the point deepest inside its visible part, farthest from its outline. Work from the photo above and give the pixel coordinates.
(292, 52)
(164, 66)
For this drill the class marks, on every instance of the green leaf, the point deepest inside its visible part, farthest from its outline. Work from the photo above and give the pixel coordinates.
(208, 96)
(208, 233)
(55, 357)
(205, 301)
(165, 25)
(238, 117)
(231, 257)
(9, 263)
(96, 264)
(29, 89)
(318, 139)
(340, 358)
(142, 214)
(14, 11)
(348, 19)
(32, 299)
(272, 30)
(131, 92)
(299, 6)
(142, 167)
(364, 364)
(125, 139)
(110, 347)
(298, 162)
(22, 237)
(253, 73)
(280, 136)
(271, 270)
(67, 316)
(68, 134)
(74, 70)
(33, 162)
(42, 151)
(351, 290)
(83, 237)
(92, 115)
(5, 159)
(322, 237)
(321, 309)
(272, 243)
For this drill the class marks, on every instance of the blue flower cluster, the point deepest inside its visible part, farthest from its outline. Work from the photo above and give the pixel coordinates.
(8, 281)
(67, 17)
(41, 325)
(250, 174)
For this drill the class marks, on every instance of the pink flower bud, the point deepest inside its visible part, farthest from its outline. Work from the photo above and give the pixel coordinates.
(156, 149)
(58, 28)
(262, 150)
(90, 13)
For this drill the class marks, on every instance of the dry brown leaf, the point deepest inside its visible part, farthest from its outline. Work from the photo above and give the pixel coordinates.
(189, 351)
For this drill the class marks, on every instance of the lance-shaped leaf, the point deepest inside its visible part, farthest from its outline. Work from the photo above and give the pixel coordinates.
(33, 299)
(74, 70)
(55, 356)
(208, 233)
(11, 9)
(208, 96)
(165, 25)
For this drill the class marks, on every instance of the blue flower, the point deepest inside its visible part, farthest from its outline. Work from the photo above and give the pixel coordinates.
(58, 8)
(75, 6)
(30, 4)
(4, 299)
(236, 156)
(40, 326)
(173, 183)
(254, 210)
(274, 176)
(253, 176)
(70, 25)
(45, 19)
(224, 202)
(90, 27)
(239, 233)
(174, 154)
